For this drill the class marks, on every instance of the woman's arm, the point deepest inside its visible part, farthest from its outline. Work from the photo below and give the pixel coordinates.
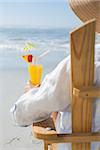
(38, 103)
(50, 122)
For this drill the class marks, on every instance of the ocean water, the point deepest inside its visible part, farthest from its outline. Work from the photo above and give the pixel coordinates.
(13, 40)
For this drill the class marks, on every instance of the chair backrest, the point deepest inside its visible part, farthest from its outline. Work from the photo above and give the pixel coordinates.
(82, 76)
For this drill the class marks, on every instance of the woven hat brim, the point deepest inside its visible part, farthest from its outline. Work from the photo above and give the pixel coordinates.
(87, 10)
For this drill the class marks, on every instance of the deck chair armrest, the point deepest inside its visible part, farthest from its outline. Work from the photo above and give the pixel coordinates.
(87, 92)
(53, 137)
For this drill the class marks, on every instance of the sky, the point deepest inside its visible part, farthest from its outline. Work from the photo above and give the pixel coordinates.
(37, 14)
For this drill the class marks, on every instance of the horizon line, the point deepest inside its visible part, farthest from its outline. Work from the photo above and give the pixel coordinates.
(33, 1)
(35, 27)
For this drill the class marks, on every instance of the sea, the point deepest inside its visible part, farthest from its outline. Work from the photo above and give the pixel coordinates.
(13, 41)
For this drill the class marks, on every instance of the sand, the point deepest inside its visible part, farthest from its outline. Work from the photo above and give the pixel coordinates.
(12, 137)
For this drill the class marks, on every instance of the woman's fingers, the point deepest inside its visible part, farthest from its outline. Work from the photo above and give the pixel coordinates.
(29, 86)
(26, 89)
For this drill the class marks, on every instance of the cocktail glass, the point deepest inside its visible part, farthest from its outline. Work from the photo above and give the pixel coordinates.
(35, 73)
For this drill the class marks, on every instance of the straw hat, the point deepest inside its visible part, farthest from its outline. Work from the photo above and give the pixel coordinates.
(86, 10)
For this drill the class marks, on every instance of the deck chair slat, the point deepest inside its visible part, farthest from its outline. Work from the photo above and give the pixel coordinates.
(53, 137)
(89, 92)
(82, 75)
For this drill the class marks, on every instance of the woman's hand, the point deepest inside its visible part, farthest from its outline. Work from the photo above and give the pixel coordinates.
(28, 86)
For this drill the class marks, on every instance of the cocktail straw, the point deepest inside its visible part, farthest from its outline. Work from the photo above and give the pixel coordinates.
(43, 54)
(36, 58)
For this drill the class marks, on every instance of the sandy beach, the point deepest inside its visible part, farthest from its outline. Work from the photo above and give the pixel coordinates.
(11, 136)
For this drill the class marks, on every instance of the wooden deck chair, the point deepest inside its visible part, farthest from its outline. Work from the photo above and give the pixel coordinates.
(82, 41)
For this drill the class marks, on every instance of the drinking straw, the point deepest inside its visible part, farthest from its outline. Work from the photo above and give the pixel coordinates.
(43, 54)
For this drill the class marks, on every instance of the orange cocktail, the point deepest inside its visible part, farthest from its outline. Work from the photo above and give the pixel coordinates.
(35, 73)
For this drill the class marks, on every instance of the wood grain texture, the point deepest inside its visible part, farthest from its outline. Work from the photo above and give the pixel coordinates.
(82, 75)
(53, 147)
(88, 92)
(53, 137)
(46, 145)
